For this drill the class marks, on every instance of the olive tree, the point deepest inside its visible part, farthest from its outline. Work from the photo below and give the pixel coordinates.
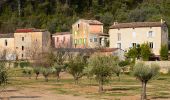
(37, 71)
(144, 73)
(46, 71)
(101, 68)
(76, 66)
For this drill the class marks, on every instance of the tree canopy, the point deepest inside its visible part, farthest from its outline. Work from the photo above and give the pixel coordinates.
(58, 15)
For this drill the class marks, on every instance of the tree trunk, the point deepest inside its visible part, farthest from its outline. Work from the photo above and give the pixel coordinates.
(58, 76)
(143, 95)
(76, 80)
(46, 78)
(100, 86)
(36, 77)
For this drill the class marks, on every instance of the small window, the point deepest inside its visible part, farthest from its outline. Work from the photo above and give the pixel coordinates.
(22, 38)
(95, 39)
(119, 45)
(150, 34)
(22, 47)
(91, 40)
(22, 55)
(151, 45)
(64, 39)
(6, 43)
(118, 36)
(134, 45)
(78, 25)
(57, 39)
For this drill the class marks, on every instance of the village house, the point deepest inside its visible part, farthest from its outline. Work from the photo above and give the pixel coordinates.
(31, 42)
(7, 51)
(127, 35)
(88, 34)
(62, 40)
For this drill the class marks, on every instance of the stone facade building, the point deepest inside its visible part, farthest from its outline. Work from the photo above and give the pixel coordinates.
(127, 35)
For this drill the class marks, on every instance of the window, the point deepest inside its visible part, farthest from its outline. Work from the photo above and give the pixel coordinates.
(91, 40)
(57, 39)
(63, 39)
(22, 47)
(22, 55)
(118, 36)
(151, 45)
(6, 43)
(78, 25)
(95, 39)
(134, 45)
(119, 45)
(150, 34)
(22, 38)
(75, 41)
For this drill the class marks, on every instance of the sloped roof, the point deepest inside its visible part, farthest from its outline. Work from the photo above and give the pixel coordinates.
(91, 22)
(136, 24)
(26, 30)
(61, 33)
(9, 35)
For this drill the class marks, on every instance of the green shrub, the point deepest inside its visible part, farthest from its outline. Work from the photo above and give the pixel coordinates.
(164, 52)
(3, 74)
(24, 64)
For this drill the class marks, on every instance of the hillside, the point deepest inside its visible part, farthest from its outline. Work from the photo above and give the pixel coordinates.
(58, 15)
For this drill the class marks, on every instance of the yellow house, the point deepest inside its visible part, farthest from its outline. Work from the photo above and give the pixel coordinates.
(127, 35)
(7, 50)
(31, 42)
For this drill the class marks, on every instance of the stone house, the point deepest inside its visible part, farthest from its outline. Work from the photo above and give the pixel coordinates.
(127, 35)
(88, 34)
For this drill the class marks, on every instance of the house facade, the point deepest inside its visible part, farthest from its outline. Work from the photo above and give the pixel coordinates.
(128, 35)
(62, 40)
(88, 34)
(31, 42)
(7, 50)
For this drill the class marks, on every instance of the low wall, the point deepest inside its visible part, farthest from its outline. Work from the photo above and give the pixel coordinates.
(164, 65)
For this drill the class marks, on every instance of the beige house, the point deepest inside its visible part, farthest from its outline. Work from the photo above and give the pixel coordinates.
(31, 42)
(7, 50)
(88, 34)
(127, 35)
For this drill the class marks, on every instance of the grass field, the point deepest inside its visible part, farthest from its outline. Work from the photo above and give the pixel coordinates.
(127, 87)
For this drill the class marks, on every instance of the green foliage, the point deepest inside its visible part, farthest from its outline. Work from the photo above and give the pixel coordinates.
(60, 15)
(145, 52)
(76, 66)
(145, 72)
(37, 71)
(24, 64)
(124, 63)
(101, 68)
(164, 52)
(132, 53)
(46, 71)
(27, 71)
(3, 74)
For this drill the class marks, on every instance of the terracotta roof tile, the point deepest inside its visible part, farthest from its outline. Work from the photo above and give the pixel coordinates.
(29, 30)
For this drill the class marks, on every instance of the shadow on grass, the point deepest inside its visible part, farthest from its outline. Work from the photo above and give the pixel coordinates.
(121, 89)
(161, 97)
(10, 90)
(18, 97)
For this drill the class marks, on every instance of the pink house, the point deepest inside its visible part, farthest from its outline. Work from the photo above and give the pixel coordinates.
(62, 40)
